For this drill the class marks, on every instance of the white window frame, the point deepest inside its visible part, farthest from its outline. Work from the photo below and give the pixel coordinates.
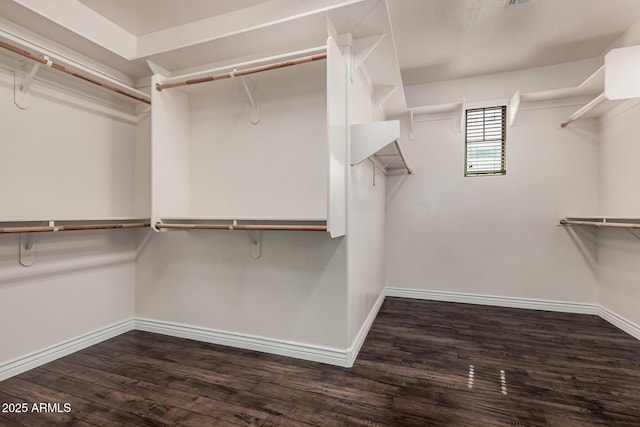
(502, 169)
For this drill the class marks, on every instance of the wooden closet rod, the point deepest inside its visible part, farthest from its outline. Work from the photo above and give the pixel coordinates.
(45, 229)
(404, 161)
(584, 110)
(600, 224)
(242, 227)
(238, 73)
(71, 72)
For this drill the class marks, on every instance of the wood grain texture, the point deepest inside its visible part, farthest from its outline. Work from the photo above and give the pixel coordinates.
(413, 370)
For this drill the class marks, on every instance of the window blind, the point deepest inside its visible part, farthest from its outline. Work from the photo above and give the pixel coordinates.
(485, 141)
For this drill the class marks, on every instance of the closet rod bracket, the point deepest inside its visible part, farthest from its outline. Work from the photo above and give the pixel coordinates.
(256, 243)
(22, 82)
(27, 254)
(412, 126)
(250, 86)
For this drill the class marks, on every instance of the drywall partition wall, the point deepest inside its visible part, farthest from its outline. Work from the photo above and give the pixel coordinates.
(618, 250)
(267, 164)
(496, 235)
(336, 139)
(292, 298)
(81, 282)
(366, 219)
(169, 153)
(142, 168)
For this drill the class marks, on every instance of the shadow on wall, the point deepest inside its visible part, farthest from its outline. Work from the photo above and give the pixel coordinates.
(394, 183)
(65, 253)
(586, 240)
(281, 250)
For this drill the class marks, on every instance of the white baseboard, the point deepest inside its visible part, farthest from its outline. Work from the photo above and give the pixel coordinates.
(532, 304)
(619, 322)
(37, 358)
(352, 352)
(331, 356)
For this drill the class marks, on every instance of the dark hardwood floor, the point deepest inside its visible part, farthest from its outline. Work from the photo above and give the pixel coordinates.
(424, 363)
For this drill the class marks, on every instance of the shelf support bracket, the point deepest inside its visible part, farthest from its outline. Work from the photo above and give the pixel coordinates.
(381, 93)
(256, 243)
(250, 89)
(373, 171)
(27, 255)
(363, 47)
(514, 106)
(633, 234)
(463, 109)
(412, 126)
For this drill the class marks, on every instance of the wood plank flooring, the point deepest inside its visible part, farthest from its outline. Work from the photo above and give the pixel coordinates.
(424, 363)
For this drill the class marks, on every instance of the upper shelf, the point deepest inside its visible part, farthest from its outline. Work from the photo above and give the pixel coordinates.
(75, 70)
(616, 80)
(380, 140)
(610, 85)
(602, 222)
(7, 227)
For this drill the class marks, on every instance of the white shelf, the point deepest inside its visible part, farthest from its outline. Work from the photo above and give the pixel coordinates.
(69, 220)
(611, 84)
(614, 222)
(379, 140)
(591, 87)
(183, 224)
(277, 167)
(9, 227)
(616, 81)
(242, 219)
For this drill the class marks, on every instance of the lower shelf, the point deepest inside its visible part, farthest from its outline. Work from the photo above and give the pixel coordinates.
(254, 224)
(226, 224)
(75, 225)
(603, 222)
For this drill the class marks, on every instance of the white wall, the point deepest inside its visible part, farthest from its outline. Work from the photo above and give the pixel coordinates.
(142, 170)
(295, 292)
(617, 156)
(496, 235)
(618, 250)
(69, 156)
(61, 160)
(80, 282)
(275, 169)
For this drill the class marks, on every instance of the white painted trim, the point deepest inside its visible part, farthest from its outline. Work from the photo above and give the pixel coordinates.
(331, 356)
(40, 357)
(352, 352)
(328, 355)
(532, 304)
(619, 322)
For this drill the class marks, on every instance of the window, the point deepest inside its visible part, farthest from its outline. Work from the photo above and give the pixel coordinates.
(485, 141)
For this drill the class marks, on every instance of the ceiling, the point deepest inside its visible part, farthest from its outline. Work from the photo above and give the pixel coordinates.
(444, 39)
(140, 17)
(435, 39)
